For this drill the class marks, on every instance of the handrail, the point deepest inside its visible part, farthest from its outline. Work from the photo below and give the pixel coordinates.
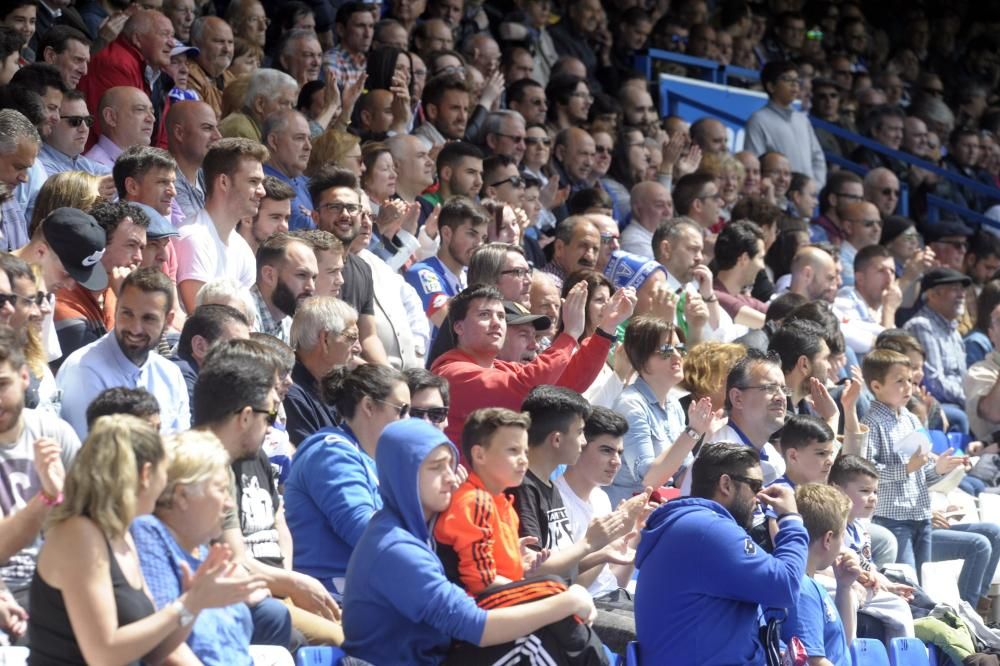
(936, 203)
(861, 170)
(698, 104)
(644, 61)
(903, 156)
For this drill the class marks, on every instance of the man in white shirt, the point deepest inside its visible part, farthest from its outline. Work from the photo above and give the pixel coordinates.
(869, 307)
(210, 247)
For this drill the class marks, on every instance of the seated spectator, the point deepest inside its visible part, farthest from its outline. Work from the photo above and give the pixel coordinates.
(126, 119)
(826, 635)
(63, 148)
(982, 397)
(332, 491)
(191, 127)
(739, 257)
(808, 449)
(136, 402)
(272, 215)
(659, 442)
(805, 361)
(122, 357)
(329, 253)
(705, 370)
(815, 273)
(32, 307)
(207, 325)
(286, 276)
(652, 205)
(89, 564)
(981, 263)
(520, 344)
(862, 227)
(869, 306)
(286, 136)
(428, 396)
(882, 189)
(714, 614)
(474, 375)
(417, 612)
(842, 188)
(504, 266)
(324, 336)
(978, 344)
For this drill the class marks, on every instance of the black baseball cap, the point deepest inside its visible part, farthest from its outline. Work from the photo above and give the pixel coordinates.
(517, 314)
(79, 242)
(936, 277)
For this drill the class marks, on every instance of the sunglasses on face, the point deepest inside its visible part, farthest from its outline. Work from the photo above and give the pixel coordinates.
(602, 150)
(515, 181)
(272, 414)
(403, 409)
(668, 350)
(74, 121)
(432, 414)
(8, 299)
(755, 485)
(535, 140)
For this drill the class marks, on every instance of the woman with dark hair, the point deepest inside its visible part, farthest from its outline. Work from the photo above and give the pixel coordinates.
(332, 490)
(977, 343)
(383, 65)
(569, 101)
(629, 162)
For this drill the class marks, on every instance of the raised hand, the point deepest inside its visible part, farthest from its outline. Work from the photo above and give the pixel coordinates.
(350, 96)
(690, 162)
(663, 304)
(695, 312)
(49, 466)
(492, 89)
(821, 400)
(617, 310)
(552, 196)
(574, 310)
(703, 277)
(700, 415)
(852, 390)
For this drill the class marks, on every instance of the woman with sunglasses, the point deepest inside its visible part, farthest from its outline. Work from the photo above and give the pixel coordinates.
(332, 490)
(657, 442)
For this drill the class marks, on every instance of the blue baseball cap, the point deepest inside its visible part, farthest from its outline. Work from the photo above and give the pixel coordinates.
(159, 226)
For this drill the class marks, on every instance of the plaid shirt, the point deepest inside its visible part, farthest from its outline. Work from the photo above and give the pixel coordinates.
(901, 496)
(944, 354)
(279, 329)
(347, 68)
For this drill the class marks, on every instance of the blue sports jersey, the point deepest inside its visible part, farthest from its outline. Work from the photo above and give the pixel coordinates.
(435, 283)
(816, 622)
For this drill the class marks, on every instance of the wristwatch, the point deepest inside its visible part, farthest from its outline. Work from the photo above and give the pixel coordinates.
(692, 433)
(186, 616)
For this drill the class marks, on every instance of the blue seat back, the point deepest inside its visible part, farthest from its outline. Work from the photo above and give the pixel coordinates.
(319, 656)
(632, 654)
(908, 652)
(868, 652)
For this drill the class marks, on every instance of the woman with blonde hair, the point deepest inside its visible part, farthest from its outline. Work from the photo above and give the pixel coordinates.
(89, 600)
(188, 515)
(706, 368)
(339, 148)
(69, 189)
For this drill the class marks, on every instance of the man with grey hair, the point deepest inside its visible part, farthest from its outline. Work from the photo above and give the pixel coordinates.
(181, 14)
(882, 189)
(268, 91)
(301, 56)
(651, 206)
(503, 134)
(324, 335)
(286, 135)
(19, 145)
(209, 71)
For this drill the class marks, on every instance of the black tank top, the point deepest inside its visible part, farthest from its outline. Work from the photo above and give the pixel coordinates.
(49, 630)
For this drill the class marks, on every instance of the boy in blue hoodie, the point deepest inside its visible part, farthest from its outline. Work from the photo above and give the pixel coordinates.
(399, 607)
(824, 629)
(702, 579)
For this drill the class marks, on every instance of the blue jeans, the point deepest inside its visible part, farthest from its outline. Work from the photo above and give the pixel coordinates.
(957, 419)
(913, 538)
(979, 545)
(272, 623)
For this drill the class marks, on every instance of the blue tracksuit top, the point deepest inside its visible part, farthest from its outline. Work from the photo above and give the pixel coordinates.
(399, 608)
(330, 495)
(702, 582)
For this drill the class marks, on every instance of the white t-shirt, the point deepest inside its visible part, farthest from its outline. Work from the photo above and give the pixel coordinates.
(203, 257)
(580, 513)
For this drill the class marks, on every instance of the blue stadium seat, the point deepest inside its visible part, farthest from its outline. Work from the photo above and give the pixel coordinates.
(319, 656)
(868, 652)
(632, 654)
(939, 441)
(935, 657)
(908, 652)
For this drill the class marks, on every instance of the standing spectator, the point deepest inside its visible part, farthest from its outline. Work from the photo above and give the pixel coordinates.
(192, 128)
(779, 127)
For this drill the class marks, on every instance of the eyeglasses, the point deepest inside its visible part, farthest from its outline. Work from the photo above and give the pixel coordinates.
(768, 389)
(888, 191)
(350, 337)
(74, 121)
(849, 196)
(519, 273)
(668, 350)
(755, 485)
(516, 181)
(404, 408)
(37, 299)
(432, 414)
(602, 150)
(338, 208)
(8, 299)
(790, 80)
(272, 414)
(716, 197)
(515, 139)
(608, 238)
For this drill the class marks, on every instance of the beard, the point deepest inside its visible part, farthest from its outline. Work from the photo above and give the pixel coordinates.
(742, 512)
(137, 354)
(284, 299)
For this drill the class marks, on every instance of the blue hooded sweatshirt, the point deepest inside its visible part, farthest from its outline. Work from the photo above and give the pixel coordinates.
(399, 608)
(330, 495)
(702, 580)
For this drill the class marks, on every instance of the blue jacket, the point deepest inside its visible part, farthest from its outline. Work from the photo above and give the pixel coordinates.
(399, 608)
(702, 580)
(330, 495)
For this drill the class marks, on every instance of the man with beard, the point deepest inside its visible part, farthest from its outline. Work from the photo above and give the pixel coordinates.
(523, 328)
(35, 449)
(337, 209)
(716, 618)
(438, 278)
(122, 356)
(286, 275)
(814, 274)
(273, 215)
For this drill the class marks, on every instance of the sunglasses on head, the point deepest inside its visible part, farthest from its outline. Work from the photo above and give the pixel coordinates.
(432, 414)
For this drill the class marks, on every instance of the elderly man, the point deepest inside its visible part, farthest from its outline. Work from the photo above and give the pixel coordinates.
(935, 325)
(521, 344)
(208, 72)
(432, 35)
(503, 134)
(710, 135)
(445, 103)
(68, 50)
(862, 227)
(869, 306)
(577, 246)
(135, 58)
(63, 149)
(779, 127)
(355, 28)
(882, 189)
(267, 92)
(482, 52)
(127, 120)
(192, 128)
(414, 167)
(651, 206)
(286, 276)
(19, 146)
(301, 56)
(950, 242)
(181, 14)
(286, 135)
(573, 160)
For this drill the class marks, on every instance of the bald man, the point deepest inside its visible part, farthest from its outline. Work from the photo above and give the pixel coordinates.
(710, 135)
(862, 227)
(573, 155)
(815, 274)
(375, 114)
(882, 189)
(127, 120)
(651, 205)
(191, 130)
(214, 39)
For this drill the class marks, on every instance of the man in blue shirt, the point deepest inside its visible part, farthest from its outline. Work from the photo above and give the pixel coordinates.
(122, 356)
(439, 278)
(702, 580)
(63, 148)
(286, 135)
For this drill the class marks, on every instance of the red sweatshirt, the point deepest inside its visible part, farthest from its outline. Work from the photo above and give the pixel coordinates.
(507, 384)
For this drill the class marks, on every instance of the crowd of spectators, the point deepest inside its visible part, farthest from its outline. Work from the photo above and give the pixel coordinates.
(418, 330)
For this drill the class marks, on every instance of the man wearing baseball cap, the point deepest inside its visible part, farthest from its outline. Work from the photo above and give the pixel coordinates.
(523, 328)
(935, 325)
